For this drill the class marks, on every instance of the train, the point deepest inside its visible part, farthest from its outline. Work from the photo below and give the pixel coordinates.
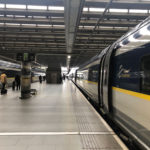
(11, 69)
(117, 80)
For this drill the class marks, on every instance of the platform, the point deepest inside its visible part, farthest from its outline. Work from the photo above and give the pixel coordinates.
(57, 118)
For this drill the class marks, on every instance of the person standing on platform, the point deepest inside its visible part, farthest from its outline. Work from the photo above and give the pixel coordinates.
(44, 78)
(3, 79)
(17, 80)
(40, 79)
(64, 77)
(13, 85)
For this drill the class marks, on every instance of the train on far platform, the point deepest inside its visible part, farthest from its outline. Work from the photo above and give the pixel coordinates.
(117, 80)
(12, 69)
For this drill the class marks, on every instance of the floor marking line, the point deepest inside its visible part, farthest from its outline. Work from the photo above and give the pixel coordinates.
(55, 133)
(97, 133)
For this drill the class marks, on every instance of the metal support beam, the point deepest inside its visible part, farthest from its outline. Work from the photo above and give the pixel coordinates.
(73, 9)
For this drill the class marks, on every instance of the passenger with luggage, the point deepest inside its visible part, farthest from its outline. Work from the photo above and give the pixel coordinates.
(3, 79)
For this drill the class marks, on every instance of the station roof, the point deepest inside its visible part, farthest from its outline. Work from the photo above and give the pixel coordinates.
(66, 32)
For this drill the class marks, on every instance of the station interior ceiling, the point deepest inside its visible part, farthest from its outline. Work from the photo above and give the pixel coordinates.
(66, 32)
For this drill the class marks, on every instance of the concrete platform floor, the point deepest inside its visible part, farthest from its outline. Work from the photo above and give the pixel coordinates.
(57, 118)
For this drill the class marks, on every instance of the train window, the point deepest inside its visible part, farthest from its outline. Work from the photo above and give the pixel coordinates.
(93, 73)
(145, 76)
(83, 74)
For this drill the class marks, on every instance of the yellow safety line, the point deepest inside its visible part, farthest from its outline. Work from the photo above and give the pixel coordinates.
(91, 82)
(136, 94)
(11, 78)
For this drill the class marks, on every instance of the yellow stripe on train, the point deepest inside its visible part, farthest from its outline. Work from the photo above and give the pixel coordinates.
(136, 94)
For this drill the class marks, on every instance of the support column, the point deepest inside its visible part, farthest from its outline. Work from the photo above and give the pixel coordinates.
(25, 80)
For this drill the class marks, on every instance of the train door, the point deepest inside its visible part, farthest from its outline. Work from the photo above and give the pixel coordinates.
(106, 89)
(100, 90)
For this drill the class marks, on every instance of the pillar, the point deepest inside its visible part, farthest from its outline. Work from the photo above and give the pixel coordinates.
(25, 80)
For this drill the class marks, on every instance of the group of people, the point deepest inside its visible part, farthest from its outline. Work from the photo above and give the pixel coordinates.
(15, 84)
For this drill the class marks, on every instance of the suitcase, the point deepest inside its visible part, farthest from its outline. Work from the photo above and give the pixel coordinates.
(3, 91)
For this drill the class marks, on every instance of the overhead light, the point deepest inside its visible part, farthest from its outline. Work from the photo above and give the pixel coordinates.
(69, 56)
(37, 7)
(55, 8)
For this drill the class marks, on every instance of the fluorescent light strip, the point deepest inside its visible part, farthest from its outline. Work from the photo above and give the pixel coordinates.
(55, 8)
(37, 7)
(85, 9)
(119, 10)
(2, 5)
(40, 25)
(137, 11)
(19, 16)
(44, 25)
(12, 24)
(28, 24)
(15, 6)
(97, 9)
(39, 16)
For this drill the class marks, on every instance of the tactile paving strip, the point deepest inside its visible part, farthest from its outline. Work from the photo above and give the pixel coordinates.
(89, 141)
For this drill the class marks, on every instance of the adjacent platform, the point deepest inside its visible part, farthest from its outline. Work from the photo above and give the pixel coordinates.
(57, 118)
